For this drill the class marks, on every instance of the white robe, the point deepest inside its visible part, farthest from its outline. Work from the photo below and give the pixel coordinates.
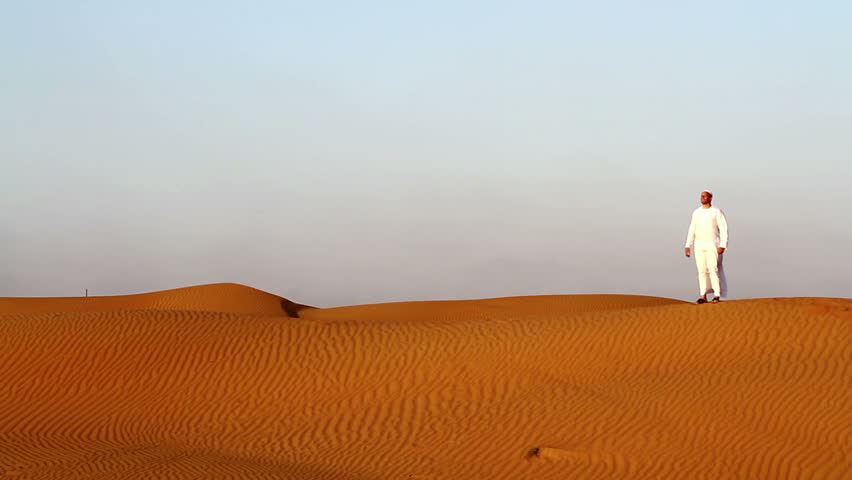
(708, 230)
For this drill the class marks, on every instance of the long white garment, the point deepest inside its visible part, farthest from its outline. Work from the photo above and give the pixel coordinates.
(708, 231)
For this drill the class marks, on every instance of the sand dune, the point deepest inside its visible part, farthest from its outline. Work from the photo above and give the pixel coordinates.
(225, 381)
(217, 297)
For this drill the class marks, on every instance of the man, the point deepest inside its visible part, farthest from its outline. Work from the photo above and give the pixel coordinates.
(709, 233)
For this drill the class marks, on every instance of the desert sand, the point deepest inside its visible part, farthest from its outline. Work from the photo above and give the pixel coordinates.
(226, 381)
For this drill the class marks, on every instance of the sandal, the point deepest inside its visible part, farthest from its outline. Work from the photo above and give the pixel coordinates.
(700, 301)
(716, 300)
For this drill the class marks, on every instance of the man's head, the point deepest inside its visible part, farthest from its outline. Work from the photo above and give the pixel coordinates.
(706, 197)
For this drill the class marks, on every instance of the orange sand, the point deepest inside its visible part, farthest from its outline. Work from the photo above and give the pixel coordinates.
(225, 381)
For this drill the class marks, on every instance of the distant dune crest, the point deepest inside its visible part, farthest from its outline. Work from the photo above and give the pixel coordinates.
(216, 297)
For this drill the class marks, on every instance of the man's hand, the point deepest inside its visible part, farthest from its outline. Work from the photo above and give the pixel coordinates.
(687, 251)
(720, 250)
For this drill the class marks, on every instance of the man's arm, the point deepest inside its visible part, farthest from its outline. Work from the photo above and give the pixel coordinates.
(690, 236)
(723, 231)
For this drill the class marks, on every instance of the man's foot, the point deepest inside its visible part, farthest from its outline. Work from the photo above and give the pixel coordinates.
(716, 300)
(701, 300)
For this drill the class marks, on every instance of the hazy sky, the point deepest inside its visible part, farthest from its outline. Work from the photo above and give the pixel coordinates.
(354, 152)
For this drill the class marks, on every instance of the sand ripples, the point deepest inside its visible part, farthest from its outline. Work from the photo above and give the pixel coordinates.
(598, 386)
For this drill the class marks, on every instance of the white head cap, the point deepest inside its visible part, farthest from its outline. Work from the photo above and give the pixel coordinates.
(708, 191)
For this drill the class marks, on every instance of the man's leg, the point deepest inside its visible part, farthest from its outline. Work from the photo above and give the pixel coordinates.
(703, 274)
(713, 260)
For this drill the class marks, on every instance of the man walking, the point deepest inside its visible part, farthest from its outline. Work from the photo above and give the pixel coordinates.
(709, 232)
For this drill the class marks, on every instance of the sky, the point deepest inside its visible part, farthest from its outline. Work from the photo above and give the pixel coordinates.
(340, 153)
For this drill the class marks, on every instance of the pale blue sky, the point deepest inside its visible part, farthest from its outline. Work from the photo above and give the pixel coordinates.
(355, 152)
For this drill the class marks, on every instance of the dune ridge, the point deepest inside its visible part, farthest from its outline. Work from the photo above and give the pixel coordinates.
(542, 387)
(215, 297)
